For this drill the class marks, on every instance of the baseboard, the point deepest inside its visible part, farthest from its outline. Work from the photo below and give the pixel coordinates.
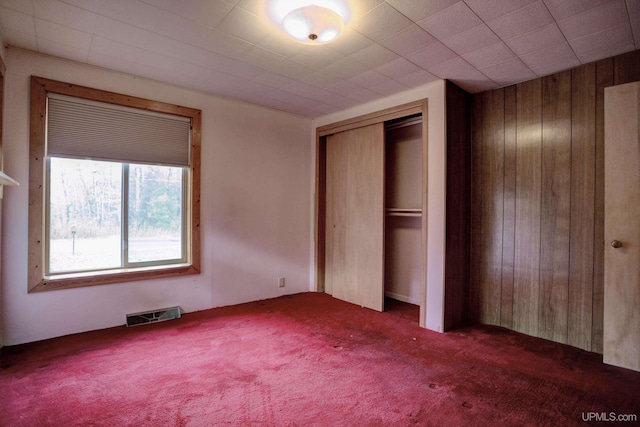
(402, 298)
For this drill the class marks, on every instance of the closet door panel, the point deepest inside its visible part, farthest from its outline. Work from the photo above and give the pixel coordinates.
(354, 256)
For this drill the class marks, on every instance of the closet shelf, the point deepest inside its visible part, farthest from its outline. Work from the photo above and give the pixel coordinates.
(7, 180)
(404, 212)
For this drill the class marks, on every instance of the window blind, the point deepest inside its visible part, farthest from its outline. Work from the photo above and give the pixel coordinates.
(82, 128)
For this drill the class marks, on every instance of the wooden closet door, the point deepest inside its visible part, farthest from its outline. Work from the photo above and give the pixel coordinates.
(354, 252)
(622, 226)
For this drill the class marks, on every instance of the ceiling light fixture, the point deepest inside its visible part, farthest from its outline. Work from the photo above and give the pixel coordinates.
(310, 22)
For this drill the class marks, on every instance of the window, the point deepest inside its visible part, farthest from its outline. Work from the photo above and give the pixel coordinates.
(114, 187)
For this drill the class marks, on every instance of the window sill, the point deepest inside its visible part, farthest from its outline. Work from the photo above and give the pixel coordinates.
(77, 280)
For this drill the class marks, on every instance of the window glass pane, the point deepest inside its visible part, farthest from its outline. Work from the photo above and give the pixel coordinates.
(85, 199)
(155, 213)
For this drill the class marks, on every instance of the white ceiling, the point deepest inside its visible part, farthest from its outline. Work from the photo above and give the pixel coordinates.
(231, 48)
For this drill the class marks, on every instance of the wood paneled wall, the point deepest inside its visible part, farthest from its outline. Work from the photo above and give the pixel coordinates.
(537, 203)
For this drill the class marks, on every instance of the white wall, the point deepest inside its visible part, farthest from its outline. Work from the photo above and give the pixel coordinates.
(255, 209)
(436, 191)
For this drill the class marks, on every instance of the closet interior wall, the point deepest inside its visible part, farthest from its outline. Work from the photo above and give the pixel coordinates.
(403, 213)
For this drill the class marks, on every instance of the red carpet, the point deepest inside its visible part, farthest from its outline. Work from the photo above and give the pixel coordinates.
(307, 360)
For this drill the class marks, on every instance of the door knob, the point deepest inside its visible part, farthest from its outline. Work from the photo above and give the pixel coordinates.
(616, 244)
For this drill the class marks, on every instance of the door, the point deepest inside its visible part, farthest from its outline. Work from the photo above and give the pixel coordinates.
(354, 251)
(622, 227)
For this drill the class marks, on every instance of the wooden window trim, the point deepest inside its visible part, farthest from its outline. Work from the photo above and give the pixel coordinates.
(37, 281)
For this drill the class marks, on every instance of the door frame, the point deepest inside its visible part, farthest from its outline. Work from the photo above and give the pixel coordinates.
(397, 112)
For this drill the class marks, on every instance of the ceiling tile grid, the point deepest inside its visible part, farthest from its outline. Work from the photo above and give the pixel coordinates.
(231, 48)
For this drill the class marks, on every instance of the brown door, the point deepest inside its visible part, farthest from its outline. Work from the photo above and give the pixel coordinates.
(622, 226)
(354, 254)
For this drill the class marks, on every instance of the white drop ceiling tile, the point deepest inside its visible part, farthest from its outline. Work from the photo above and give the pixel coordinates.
(373, 56)
(345, 68)
(490, 55)
(90, 5)
(551, 68)
(321, 79)
(76, 51)
(317, 56)
(398, 68)
(521, 21)
(206, 12)
(183, 51)
(635, 26)
(321, 109)
(381, 23)
(245, 25)
(418, 10)
(236, 67)
(561, 53)
(561, 9)
(17, 21)
(116, 63)
(293, 69)
(341, 102)
(452, 20)
(349, 42)
(263, 58)
(473, 39)
(301, 89)
(619, 38)
(19, 39)
(418, 78)
(408, 41)
(279, 42)
(344, 88)
(511, 67)
(476, 86)
(227, 45)
(492, 9)
(362, 7)
(60, 34)
(105, 47)
(365, 95)
(633, 6)
(607, 53)
(224, 83)
(121, 32)
(274, 80)
(432, 55)
(157, 61)
(389, 87)
(132, 12)
(369, 78)
(65, 14)
(517, 78)
(540, 39)
(183, 29)
(22, 6)
(457, 68)
(144, 70)
(610, 14)
(257, 7)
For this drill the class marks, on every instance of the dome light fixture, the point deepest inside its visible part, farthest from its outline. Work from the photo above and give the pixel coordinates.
(313, 24)
(310, 22)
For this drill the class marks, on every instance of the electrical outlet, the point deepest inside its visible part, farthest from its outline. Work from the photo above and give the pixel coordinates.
(281, 282)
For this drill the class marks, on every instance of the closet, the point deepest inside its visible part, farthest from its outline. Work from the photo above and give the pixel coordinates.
(403, 209)
(371, 231)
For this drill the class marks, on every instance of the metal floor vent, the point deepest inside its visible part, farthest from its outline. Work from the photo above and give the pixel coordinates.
(153, 316)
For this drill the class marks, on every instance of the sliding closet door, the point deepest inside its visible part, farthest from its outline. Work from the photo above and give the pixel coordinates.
(354, 253)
